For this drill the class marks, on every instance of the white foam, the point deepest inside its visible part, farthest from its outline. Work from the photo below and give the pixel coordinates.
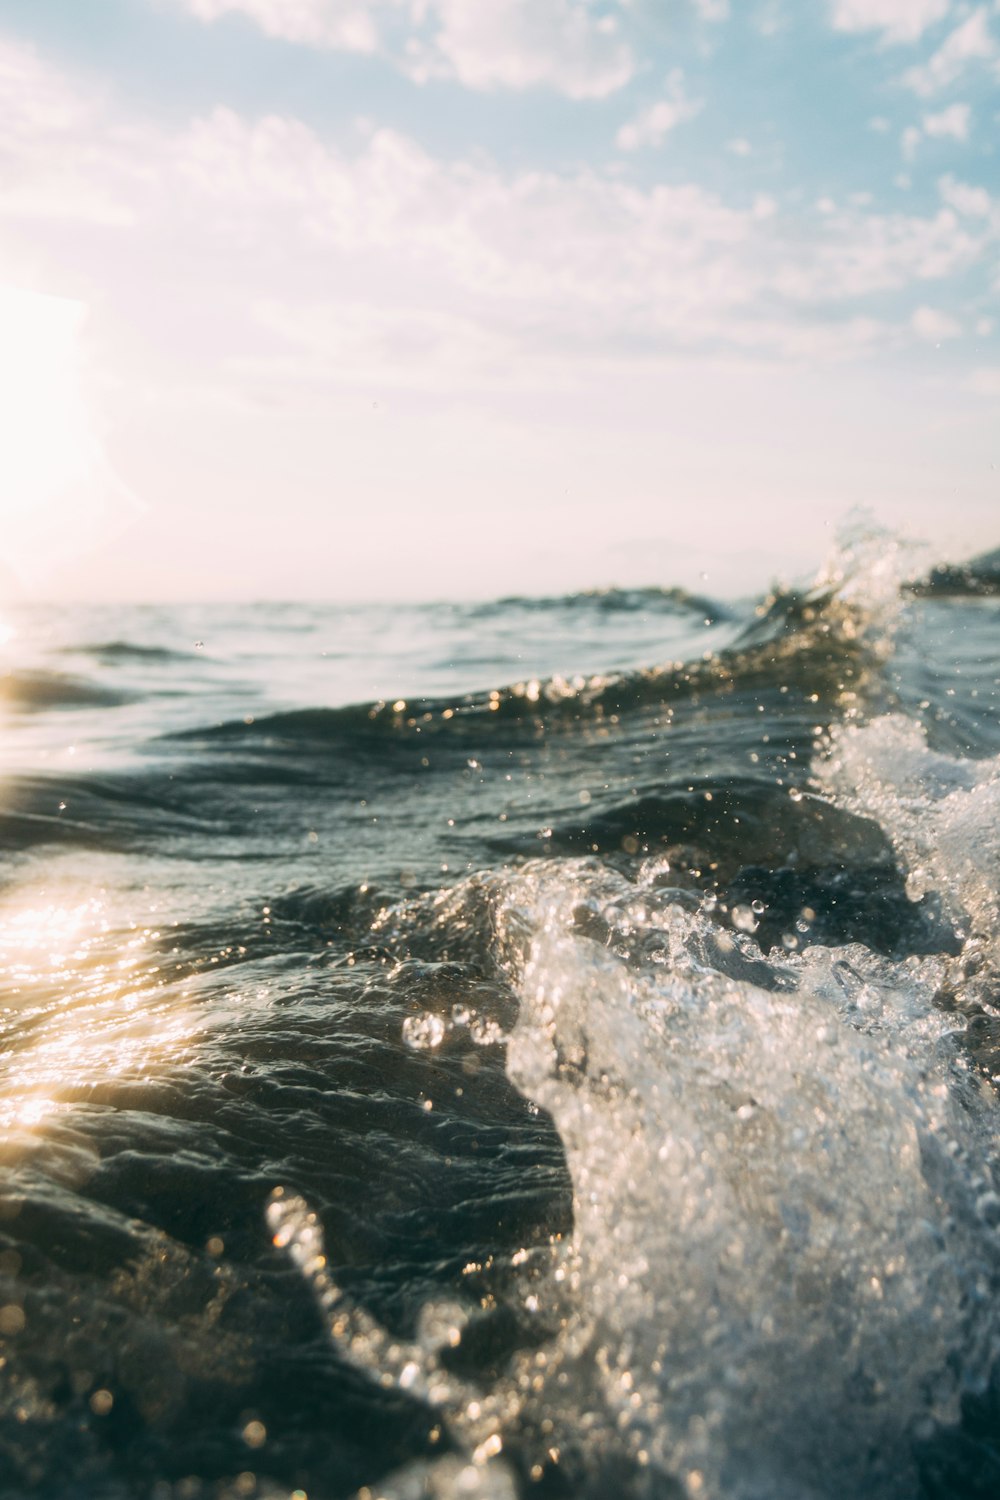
(774, 1199)
(941, 813)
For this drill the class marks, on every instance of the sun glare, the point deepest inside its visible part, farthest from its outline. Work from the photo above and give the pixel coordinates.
(57, 492)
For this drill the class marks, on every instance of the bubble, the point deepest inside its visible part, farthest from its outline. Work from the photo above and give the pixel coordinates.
(743, 919)
(485, 1032)
(424, 1032)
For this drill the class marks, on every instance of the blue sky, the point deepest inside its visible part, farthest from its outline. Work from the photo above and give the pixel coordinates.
(419, 297)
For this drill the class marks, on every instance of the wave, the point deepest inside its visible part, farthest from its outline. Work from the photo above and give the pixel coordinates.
(119, 650)
(122, 811)
(823, 641)
(978, 577)
(780, 1277)
(39, 691)
(671, 601)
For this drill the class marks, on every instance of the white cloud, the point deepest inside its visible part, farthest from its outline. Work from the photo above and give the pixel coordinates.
(558, 262)
(909, 141)
(861, 253)
(969, 43)
(951, 123)
(898, 20)
(740, 146)
(384, 264)
(967, 199)
(47, 166)
(712, 10)
(519, 44)
(652, 125)
(486, 44)
(934, 326)
(947, 124)
(342, 25)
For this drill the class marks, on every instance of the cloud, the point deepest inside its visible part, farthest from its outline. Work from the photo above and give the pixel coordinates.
(383, 264)
(974, 201)
(910, 140)
(564, 266)
(952, 123)
(652, 125)
(864, 252)
(517, 44)
(342, 25)
(969, 43)
(934, 326)
(712, 10)
(520, 44)
(47, 167)
(948, 124)
(897, 20)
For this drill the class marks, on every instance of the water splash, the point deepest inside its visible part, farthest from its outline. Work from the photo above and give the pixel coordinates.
(942, 814)
(474, 1420)
(774, 1198)
(785, 1250)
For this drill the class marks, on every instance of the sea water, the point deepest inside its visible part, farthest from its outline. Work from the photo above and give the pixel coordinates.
(547, 1047)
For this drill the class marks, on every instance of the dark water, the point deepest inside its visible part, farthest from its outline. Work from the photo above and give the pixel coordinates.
(572, 1072)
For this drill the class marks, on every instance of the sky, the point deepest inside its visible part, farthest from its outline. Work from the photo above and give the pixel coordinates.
(347, 299)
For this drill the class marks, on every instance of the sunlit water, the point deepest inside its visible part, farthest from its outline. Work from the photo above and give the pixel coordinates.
(543, 1048)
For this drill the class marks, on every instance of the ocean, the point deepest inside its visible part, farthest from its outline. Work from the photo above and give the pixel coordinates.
(538, 1048)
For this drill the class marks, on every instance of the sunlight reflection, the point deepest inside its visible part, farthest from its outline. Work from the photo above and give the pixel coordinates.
(89, 1005)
